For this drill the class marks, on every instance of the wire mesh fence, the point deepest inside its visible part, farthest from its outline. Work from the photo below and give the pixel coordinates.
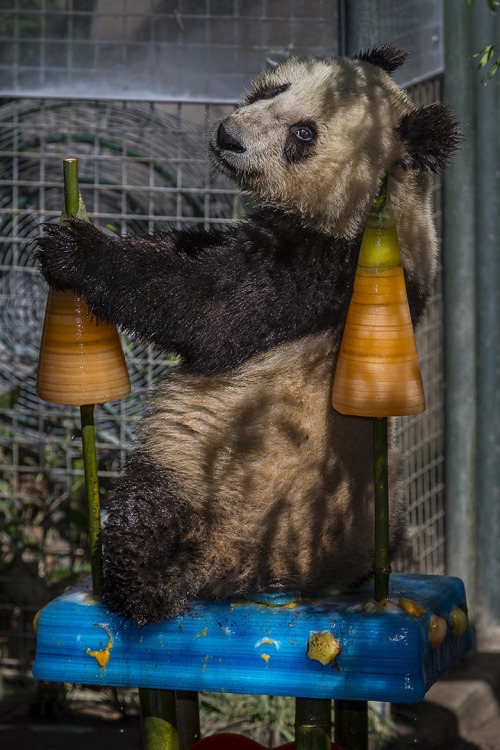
(190, 49)
(422, 436)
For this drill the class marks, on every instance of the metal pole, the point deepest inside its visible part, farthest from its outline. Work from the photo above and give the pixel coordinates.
(486, 30)
(459, 310)
(361, 19)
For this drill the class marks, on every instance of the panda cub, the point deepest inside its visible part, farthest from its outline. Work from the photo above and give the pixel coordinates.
(245, 478)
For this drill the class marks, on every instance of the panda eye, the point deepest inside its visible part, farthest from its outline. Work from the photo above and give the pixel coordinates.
(303, 133)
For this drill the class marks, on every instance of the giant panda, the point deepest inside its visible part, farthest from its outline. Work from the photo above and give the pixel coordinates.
(245, 478)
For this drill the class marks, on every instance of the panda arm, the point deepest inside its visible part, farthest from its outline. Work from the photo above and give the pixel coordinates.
(152, 286)
(214, 298)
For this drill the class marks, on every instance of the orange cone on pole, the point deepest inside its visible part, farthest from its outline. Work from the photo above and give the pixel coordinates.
(81, 361)
(377, 373)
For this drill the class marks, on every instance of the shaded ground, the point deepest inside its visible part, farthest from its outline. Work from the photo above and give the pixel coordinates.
(77, 735)
(460, 712)
(125, 734)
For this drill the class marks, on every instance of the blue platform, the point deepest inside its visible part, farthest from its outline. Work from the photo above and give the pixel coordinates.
(385, 653)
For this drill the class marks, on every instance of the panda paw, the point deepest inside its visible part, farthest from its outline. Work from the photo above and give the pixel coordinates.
(64, 252)
(146, 599)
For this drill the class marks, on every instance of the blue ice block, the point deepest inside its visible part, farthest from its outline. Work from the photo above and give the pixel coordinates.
(341, 647)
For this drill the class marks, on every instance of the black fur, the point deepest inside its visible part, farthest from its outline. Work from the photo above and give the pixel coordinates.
(263, 282)
(266, 92)
(431, 134)
(146, 515)
(388, 57)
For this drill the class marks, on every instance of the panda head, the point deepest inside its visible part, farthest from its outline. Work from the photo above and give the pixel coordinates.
(315, 137)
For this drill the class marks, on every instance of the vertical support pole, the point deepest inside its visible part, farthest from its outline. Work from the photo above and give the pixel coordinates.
(351, 724)
(92, 491)
(71, 189)
(313, 724)
(459, 278)
(351, 717)
(381, 487)
(486, 30)
(71, 208)
(359, 29)
(158, 719)
(361, 25)
(188, 718)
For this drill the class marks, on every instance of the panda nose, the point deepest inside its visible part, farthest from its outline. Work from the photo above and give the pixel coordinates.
(227, 142)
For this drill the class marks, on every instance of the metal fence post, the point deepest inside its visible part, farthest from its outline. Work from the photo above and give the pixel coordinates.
(459, 309)
(486, 30)
(359, 25)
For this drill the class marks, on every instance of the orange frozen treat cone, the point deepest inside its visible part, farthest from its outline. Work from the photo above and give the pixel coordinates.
(377, 373)
(81, 361)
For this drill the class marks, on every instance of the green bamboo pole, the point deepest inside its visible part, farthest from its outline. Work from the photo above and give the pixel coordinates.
(313, 723)
(158, 719)
(381, 488)
(71, 191)
(92, 491)
(74, 206)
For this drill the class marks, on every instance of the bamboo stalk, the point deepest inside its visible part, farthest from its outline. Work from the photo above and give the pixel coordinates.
(71, 190)
(313, 723)
(73, 206)
(381, 490)
(92, 492)
(158, 719)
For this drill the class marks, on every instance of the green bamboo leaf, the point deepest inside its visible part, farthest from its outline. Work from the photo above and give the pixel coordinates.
(492, 71)
(486, 54)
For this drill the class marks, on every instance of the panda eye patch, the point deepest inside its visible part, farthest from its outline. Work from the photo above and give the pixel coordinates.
(300, 141)
(267, 92)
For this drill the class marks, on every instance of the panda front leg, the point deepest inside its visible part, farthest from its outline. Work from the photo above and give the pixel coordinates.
(152, 541)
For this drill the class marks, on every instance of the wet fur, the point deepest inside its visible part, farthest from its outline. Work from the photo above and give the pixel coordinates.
(245, 478)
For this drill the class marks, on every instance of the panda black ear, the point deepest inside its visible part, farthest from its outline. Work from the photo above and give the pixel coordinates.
(388, 57)
(431, 134)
